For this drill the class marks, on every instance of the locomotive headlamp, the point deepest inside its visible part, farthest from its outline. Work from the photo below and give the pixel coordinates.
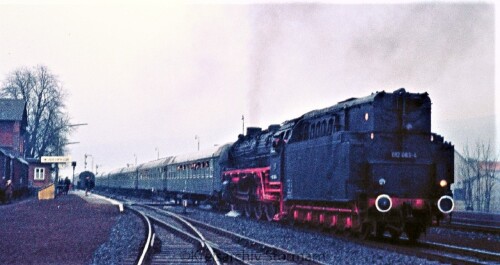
(381, 182)
(446, 204)
(383, 203)
(443, 183)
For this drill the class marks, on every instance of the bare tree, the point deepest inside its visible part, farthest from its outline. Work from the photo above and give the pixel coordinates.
(488, 170)
(48, 123)
(466, 171)
(478, 172)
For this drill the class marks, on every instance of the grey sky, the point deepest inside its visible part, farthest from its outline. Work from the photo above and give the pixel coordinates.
(147, 75)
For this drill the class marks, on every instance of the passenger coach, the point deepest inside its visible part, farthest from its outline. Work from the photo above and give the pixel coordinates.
(193, 176)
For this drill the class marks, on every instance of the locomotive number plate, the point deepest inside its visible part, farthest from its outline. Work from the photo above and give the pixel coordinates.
(397, 154)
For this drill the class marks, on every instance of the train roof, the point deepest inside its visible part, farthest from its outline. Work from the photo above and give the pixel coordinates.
(156, 163)
(129, 169)
(202, 154)
(115, 171)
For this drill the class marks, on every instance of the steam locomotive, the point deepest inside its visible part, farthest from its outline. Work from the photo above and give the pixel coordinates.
(367, 165)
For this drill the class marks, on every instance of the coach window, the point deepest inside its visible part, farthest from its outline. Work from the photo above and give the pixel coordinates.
(330, 126)
(336, 124)
(39, 173)
(323, 128)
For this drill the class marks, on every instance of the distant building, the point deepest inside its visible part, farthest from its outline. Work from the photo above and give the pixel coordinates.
(465, 187)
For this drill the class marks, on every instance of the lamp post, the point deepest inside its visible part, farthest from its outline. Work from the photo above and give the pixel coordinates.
(96, 168)
(157, 152)
(85, 162)
(60, 152)
(196, 137)
(135, 157)
(73, 164)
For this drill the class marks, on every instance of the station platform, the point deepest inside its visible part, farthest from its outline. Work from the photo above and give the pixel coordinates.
(64, 230)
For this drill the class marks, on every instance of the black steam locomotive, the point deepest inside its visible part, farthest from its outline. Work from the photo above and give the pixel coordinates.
(368, 165)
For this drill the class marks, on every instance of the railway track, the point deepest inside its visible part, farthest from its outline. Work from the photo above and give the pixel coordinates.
(228, 247)
(457, 255)
(474, 222)
(172, 242)
(446, 253)
(463, 226)
(237, 249)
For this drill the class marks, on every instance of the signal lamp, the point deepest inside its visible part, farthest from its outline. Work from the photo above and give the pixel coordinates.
(443, 183)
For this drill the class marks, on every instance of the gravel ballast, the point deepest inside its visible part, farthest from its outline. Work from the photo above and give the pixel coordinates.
(124, 241)
(306, 242)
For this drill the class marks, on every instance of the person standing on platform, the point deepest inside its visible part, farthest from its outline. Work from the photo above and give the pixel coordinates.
(67, 183)
(9, 189)
(87, 186)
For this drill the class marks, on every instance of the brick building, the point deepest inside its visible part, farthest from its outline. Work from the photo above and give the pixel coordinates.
(13, 122)
(39, 173)
(24, 173)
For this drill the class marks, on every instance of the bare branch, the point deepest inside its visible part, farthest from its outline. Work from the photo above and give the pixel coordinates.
(47, 119)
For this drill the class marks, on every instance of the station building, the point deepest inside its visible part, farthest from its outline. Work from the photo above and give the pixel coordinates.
(24, 173)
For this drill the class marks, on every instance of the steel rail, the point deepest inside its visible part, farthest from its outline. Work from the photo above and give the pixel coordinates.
(203, 241)
(239, 237)
(200, 235)
(149, 238)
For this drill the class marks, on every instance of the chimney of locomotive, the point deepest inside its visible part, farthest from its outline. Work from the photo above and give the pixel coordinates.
(251, 131)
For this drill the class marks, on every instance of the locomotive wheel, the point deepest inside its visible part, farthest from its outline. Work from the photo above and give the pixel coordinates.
(258, 210)
(269, 211)
(247, 208)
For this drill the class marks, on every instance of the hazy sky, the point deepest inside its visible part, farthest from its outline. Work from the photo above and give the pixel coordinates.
(150, 76)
